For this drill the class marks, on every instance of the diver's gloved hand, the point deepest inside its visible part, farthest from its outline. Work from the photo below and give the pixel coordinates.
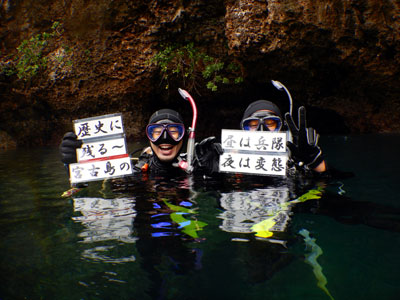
(304, 149)
(206, 155)
(68, 147)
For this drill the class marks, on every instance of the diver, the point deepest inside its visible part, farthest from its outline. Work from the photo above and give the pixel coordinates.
(247, 207)
(166, 134)
(304, 153)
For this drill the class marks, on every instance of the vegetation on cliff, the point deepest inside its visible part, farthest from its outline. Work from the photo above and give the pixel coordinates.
(189, 65)
(339, 58)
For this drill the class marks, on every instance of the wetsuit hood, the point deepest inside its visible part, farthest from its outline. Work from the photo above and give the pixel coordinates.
(261, 105)
(166, 114)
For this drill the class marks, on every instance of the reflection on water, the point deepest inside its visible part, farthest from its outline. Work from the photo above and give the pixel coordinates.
(96, 254)
(176, 238)
(104, 220)
(242, 210)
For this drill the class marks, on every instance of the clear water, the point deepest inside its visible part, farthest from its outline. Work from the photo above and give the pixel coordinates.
(190, 239)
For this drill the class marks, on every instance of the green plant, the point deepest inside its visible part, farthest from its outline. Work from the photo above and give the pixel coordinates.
(87, 53)
(30, 60)
(193, 66)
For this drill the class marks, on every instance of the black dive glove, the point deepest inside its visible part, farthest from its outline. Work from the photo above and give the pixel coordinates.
(68, 147)
(206, 155)
(304, 149)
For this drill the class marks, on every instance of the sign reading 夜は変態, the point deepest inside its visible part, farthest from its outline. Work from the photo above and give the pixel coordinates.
(253, 152)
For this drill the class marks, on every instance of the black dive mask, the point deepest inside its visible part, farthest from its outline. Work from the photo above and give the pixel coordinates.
(171, 133)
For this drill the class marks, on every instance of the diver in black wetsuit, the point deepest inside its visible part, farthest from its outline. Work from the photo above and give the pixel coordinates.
(163, 231)
(305, 155)
(166, 133)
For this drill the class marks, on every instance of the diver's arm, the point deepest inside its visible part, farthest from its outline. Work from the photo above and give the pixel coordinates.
(206, 156)
(304, 149)
(321, 167)
(141, 164)
(68, 146)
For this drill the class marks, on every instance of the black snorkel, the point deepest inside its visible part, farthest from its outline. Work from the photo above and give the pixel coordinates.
(281, 87)
(278, 85)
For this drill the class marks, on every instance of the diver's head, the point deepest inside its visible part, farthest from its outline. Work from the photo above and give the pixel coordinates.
(262, 115)
(165, 132)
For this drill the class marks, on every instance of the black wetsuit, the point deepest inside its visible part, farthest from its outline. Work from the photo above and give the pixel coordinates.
(150, 163)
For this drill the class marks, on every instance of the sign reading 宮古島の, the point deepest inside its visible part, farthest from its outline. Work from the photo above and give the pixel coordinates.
(103, 153)
(253, 152)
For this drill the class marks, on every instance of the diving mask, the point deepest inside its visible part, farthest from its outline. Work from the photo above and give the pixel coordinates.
(161, 133)
(262, 121)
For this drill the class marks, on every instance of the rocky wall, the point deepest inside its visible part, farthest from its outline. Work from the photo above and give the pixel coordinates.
(338, 58)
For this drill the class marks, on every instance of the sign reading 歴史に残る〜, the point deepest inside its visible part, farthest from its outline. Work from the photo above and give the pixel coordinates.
(103, 153)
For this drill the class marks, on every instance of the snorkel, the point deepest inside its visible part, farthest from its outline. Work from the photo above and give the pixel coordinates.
(281, 87)
(188, 165)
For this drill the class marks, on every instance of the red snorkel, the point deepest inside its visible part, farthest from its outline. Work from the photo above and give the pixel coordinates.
(188, 165)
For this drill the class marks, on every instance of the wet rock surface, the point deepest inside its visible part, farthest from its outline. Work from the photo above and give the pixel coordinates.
(338, 58)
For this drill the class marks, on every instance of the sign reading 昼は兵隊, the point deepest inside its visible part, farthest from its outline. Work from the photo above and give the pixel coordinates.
(103, 153)
(253, 152)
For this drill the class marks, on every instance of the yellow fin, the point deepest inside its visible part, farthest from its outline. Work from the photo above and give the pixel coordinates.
(262, 228)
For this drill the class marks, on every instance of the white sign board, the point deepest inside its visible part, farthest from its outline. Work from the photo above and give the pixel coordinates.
(253, 163)
(100, 169)
(253, 152)
(97, 127)
(264, 141)
(103, 153)
(100, 149)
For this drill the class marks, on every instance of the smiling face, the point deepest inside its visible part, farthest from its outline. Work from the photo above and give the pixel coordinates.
(166, 152)
(165, 132)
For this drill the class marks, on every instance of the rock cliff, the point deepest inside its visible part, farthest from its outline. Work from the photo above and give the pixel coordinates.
(338, 58)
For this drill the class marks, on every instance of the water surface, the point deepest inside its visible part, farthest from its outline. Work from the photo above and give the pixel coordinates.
(186, 238)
